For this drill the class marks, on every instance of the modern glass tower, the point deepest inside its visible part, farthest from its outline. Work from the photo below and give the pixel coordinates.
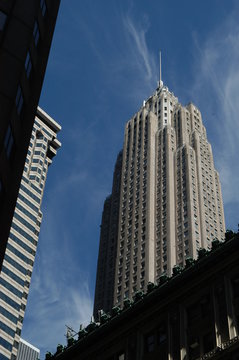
(170, 203)
(15, 276)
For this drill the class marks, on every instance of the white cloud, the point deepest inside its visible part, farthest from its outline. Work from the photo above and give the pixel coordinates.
(138, 54)
(142, 56)
(217, 89)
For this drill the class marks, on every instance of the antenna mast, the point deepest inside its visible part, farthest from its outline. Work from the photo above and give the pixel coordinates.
(160, 70)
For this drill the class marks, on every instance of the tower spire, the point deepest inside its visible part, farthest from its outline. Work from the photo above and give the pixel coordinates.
(160, 70)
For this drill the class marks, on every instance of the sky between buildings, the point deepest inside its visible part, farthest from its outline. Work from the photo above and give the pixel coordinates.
(103, 64)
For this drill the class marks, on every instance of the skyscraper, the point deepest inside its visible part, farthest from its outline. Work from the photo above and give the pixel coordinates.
(170, 202)
(27, 351)
(26, 31)
(17, 266)
(104, 289)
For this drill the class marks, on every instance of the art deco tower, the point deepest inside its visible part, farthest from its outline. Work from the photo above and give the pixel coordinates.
(15, 275)
(170, 201)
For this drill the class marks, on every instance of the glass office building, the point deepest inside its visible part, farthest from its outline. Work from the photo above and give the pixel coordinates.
(15, 276)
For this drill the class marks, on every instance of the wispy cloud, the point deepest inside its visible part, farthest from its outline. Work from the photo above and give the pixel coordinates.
(217, 86)
(143, 58)
(140, 57)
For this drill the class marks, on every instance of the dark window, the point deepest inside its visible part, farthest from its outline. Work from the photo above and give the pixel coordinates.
(11, 288)
(5, 344)
(8, 141)
(19, 100)
(36, 33)
(1, 189)
(28, 64)
(162, 336)
(3, 18)
(21, 243)
(235, 286)
(7, 329)
(8, 315)
(15, 264)
(149, 343)
(16, 344)
(39, 135)
(12, 275)
(9, 301)
(18, 254)
(43, 7)
(162, 341)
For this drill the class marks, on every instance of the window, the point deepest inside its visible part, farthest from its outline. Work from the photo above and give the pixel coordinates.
(235, 287)
(28, 64)
(1, 188)
(36, 33)
(162, 333)
(43, 7)
(19, 100)
(3, 18)
(149, 343)
(5, 344)
(8, 315)
(11, 288)
(8, 141)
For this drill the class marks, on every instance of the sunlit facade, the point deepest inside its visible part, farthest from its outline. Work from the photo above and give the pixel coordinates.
(170, 196)
(15, 276)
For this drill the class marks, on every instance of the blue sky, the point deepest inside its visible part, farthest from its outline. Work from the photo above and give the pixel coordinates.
(103, 64)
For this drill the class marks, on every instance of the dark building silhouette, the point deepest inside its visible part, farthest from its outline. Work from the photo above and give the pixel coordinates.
(192, 315)
(26, 30)
(104, 289)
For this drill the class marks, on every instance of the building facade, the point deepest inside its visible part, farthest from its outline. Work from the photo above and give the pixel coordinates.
(170, 201)
(27, 351)
(15, 275)
(193, 315)
(26, 30)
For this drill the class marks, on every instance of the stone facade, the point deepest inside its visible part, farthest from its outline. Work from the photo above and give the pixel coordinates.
(170, 201)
